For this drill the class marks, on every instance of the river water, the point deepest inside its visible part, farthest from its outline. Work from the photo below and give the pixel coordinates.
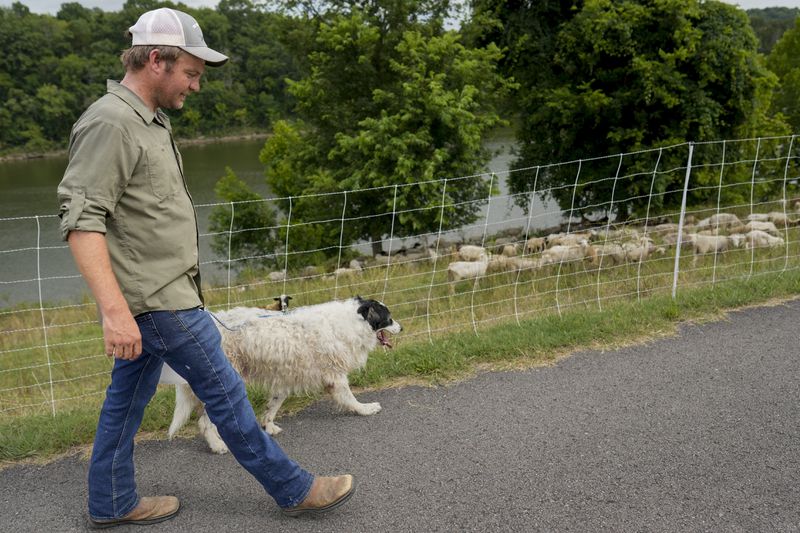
(35, 263)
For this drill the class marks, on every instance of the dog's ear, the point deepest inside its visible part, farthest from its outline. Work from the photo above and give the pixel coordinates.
(373, 318)
(369, 314)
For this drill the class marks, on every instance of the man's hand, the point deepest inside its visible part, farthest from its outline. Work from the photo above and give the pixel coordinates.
(123, 339)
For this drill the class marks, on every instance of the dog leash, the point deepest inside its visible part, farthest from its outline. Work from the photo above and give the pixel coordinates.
(221, 323)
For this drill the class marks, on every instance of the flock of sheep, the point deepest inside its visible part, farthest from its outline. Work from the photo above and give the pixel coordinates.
(715, 234)
(599, 246)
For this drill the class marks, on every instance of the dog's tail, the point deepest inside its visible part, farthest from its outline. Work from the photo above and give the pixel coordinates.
(185, 402)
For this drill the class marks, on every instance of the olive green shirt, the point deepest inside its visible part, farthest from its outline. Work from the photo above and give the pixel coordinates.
(125, 179)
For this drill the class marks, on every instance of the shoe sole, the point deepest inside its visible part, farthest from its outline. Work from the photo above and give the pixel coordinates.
(294, 513)
(105, 524)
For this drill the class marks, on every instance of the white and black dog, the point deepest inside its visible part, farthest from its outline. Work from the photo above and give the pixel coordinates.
(302, 351)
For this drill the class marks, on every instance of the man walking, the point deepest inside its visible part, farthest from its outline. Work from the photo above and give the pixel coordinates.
(131, 227)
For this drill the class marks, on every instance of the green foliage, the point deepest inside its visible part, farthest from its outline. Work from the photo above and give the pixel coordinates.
(385, 107)
(52, 68)
(630, 75)
(784, 60)
(251, 247)
(770, 23)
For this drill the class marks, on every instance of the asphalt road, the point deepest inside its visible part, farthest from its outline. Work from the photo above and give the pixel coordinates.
(697, 432)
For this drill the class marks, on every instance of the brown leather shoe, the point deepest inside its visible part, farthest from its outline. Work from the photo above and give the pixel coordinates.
(150, 510)
(326, 493)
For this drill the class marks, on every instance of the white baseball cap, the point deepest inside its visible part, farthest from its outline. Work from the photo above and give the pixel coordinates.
(169, 27)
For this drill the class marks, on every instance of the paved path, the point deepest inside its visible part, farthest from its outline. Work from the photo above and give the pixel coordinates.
(693, 433)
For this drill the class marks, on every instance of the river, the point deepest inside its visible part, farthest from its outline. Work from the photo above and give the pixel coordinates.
(34, 258)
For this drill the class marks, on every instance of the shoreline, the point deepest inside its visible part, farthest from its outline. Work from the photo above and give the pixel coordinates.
(27, 156)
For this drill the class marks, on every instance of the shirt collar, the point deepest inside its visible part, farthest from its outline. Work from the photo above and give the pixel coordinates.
(133, 100)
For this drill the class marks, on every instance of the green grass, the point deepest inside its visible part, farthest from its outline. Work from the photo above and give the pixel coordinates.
(52, 359)
(454, 355)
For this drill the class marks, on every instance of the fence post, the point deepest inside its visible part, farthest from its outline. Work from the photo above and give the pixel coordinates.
(41, 314)
(680, 222)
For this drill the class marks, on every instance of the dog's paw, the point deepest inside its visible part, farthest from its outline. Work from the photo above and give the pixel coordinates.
(218, 447)
(366, 409)
(272, 428)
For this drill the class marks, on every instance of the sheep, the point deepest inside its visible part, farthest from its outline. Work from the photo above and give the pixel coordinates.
(762, 239)
(618, 233)
(567, 253)
(720, 220)
(610, 251)
(663, 229)
(737, 240)
(461, 270)
(525, 263)
(641, 249)
(780, 219)
(471, 252)
(535, 244)
(501, 263)
(768, 227)
(671, 239)
(706, 244)
(568, 239)
(510, 250)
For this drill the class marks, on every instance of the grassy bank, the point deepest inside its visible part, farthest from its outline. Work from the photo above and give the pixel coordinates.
(534, 341)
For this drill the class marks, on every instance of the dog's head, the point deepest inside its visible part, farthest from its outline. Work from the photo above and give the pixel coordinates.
(283, 302)
(379, 319)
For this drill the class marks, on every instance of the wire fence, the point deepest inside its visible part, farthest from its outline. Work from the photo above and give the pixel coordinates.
(632, 225)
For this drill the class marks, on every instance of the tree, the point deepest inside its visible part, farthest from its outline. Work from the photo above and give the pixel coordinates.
(770, 23)
(785, 62)
(374, 116)
(255, 241)
(526, 32)
(634, 75)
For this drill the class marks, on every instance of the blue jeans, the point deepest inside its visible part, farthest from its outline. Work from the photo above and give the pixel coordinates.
(190, 342)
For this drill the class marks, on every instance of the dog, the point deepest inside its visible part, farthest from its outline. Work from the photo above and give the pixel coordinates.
(303, 351)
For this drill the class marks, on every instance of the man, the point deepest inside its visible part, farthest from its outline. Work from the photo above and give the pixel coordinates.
(131, 227)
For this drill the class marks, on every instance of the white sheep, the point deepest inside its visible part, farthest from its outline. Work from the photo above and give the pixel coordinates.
(641, 250)
(535, 244)
(461, 270)
(501, 263)
(510, 250)
(568, 239)
(719, 220)
(471, 252)
(762, 239)
(768, 227)
(761, 217)
(610, 251)
(525, 263)
(663, 229)
(781, 219)
(566, 253)
(707, 244)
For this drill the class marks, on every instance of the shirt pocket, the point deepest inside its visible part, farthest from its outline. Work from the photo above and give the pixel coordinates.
(162, 170)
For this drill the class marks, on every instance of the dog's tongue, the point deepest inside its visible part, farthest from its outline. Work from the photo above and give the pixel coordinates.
(383, 339)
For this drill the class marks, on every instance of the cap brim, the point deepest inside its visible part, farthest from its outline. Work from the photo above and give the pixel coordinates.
(211, 57)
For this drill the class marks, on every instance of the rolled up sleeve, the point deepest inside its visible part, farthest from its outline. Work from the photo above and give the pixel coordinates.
(101, 162)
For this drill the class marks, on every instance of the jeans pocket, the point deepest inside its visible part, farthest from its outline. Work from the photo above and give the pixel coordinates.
(152, 342)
